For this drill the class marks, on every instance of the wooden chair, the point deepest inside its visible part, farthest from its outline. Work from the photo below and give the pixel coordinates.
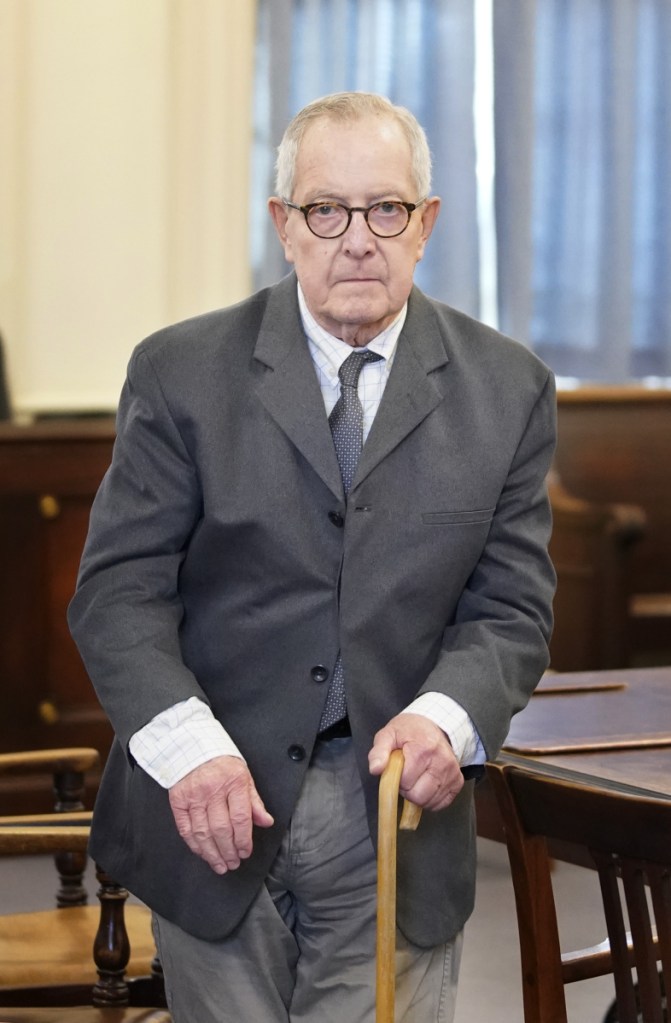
(627, 839)
(95, 960)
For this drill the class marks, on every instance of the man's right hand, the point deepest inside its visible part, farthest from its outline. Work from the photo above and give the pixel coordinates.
(215, 807)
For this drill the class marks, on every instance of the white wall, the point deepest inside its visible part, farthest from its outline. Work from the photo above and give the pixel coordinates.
(125, 130)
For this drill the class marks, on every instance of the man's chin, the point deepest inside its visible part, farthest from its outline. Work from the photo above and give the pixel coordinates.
(357, 319)
(359, 301)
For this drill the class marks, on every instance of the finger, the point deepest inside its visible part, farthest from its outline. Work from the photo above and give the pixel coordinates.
(427, 768)
(222, 831)
(231, 823)
(378, 756)
(183, 824)
(237, 830)
(191, 820)
(434, 792)
(260, 815)
(202, 841)
(435, 801)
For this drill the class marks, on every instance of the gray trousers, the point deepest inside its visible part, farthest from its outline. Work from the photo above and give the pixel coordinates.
(305, 951)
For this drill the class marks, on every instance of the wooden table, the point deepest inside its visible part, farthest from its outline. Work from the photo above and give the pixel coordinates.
(607, 728)
(613, 727)
(642, 772)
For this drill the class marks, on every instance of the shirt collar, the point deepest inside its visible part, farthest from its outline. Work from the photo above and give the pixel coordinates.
(334, 351)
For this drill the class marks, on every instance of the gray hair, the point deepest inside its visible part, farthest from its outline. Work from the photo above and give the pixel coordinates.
(352, 106)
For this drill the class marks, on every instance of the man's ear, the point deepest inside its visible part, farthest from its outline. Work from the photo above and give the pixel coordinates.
(429, 213)
(279, 215)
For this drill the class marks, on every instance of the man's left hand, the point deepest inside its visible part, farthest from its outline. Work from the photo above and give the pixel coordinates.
(431, 774)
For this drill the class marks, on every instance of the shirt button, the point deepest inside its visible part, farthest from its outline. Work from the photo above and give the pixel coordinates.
(296, 753)
(319, 673)
(337, 519)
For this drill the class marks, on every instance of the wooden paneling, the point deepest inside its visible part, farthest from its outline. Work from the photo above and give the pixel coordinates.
(49, 473)
(591, 548)
(614, 448)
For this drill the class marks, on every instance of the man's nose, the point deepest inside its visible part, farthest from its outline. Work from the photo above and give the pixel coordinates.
(358, 236)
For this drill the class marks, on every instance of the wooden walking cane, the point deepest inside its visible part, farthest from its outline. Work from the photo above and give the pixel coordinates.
(386, 882)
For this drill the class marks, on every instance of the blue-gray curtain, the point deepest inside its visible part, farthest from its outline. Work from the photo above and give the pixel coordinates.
(583, 193)
(582, 119)
(419, 53)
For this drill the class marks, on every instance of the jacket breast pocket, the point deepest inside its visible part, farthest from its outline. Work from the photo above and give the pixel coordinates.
(467, 517)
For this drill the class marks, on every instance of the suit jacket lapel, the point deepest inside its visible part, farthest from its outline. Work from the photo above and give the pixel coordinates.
(414, 387)
(289, 390)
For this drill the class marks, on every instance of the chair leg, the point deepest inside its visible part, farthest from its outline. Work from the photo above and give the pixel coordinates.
(69, 791)
(71, 867)
(111, 948)
(69, 794)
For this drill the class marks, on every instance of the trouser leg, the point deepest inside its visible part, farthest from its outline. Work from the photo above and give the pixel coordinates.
(327, 863)
(245, 978)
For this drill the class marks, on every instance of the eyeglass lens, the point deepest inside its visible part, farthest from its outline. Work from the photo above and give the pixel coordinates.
(385, 219)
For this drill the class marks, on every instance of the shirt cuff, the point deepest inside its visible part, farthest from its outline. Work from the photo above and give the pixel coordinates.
(455, 722)
(180, 739)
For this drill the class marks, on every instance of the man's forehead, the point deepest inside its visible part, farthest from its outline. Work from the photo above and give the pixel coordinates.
(373, 151)
(384, 126)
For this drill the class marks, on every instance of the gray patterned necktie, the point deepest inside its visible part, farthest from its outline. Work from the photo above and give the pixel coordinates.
(346, 422)
(346, 419)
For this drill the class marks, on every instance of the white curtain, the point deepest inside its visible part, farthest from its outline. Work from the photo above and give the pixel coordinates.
(421, 55)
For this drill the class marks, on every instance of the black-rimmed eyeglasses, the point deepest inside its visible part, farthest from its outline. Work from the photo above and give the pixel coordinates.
(331, 219)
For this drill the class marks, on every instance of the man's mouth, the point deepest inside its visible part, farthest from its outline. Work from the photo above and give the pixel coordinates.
(358, 280)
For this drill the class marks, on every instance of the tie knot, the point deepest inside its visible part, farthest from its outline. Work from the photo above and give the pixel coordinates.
(352, 366)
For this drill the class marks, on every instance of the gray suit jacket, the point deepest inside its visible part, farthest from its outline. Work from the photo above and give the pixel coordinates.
(222, 562)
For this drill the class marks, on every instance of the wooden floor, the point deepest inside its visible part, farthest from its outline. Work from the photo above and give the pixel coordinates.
(489, 987)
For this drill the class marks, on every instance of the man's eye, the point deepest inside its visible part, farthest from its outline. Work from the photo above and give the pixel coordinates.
(387, 209)
(325, 209)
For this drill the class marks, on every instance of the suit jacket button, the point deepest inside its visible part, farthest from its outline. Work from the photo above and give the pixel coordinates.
(296, 753)
(319, 673)
(337, 519)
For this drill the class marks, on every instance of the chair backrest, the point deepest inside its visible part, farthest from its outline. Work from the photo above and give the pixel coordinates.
(627, 839)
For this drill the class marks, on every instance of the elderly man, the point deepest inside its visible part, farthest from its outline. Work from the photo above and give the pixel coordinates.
(323, 536)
